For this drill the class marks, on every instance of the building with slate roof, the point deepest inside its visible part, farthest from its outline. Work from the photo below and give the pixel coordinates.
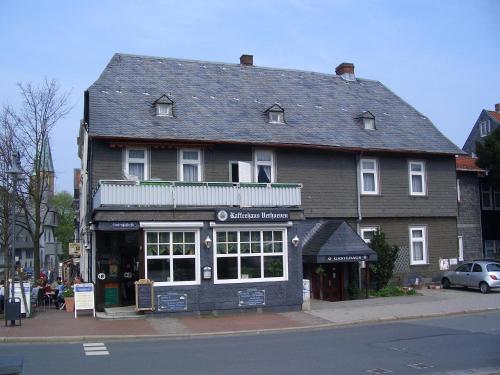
(488, 188)
(227, 184)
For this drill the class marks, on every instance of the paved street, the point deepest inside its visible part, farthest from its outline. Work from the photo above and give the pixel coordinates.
(427, 346)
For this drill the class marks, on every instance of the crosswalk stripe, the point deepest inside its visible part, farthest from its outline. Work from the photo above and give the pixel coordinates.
(95, 348)
(97, 353)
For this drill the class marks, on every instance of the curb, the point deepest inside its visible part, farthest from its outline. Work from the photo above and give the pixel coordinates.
(179, 336)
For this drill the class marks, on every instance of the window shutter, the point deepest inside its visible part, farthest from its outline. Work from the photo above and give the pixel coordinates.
(245, 171)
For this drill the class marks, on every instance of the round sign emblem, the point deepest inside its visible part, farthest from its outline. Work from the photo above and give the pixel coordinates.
(222, 215)
(101, 276)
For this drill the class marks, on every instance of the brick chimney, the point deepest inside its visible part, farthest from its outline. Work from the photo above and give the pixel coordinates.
(246, 60)
(497, 107)
(346, 71)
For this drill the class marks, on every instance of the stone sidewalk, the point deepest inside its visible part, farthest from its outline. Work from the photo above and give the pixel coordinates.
(54, 325)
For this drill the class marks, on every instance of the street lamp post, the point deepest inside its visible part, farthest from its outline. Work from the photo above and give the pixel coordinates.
(15, 172)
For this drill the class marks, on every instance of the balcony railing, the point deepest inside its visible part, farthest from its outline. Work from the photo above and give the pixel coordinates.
(112, 193)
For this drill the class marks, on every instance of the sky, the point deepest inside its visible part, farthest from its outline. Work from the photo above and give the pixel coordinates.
(442, 57)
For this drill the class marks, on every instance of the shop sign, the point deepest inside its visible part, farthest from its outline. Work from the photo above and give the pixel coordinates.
(27, 295)
(249, 215)
(251, 297)
(84, 297)
(118, 225)
(347, 258)
(74, 249)
(172, 302)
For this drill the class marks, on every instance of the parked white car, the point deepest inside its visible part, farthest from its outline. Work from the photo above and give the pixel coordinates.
(482, 274)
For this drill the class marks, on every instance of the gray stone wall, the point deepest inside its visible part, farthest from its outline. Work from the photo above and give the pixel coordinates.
(469, 215)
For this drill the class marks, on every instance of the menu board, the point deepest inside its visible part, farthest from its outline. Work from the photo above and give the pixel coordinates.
(84, 297)
(172, 302)
(144, 295)
(251, 297)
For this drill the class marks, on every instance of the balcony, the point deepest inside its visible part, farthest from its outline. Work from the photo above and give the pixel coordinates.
(118, 193)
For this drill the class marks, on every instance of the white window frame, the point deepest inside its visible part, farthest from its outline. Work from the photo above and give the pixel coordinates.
(422, 174)
(369, 123)
(423, 239)
(172, 256)
(261, 255)
(375, 175)
(269, 163)
(460, 249)
(459, 195)
(190, 162)
(169, 108)
(490, 195)
(145, 160)
(362, 231)
(485, 128)
(280, 115)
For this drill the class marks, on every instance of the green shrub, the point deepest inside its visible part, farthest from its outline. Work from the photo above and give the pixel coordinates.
(68, 292)
(383, 268)
(393, 291)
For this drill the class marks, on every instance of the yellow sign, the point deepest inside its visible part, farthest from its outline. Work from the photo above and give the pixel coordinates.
(74, 249)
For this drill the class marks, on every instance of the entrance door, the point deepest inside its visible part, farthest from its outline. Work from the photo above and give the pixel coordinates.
(118, 267)
(327, 282)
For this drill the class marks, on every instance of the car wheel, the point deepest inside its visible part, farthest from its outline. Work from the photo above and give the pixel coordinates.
(484, 288)
(446, 283)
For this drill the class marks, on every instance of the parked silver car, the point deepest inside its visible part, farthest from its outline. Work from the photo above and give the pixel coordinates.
(482, 274)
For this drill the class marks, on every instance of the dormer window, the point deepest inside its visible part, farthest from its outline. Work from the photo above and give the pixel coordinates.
(368, 120)
(164, 106)
(276, 114)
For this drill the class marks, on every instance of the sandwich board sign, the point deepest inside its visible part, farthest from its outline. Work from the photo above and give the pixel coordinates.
(84, 297)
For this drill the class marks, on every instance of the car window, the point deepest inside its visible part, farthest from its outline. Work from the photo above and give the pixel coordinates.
(477, 268)
(464, 267)
(493, 267)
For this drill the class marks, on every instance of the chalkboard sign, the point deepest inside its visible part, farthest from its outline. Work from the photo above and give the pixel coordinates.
(144, 295)
(172, 302)
(252, 297)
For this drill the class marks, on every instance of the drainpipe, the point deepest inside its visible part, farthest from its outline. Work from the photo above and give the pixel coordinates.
(358, 201)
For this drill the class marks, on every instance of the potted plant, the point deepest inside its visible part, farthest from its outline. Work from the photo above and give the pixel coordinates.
(69, 299)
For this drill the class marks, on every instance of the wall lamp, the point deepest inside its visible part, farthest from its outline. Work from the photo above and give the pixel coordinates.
(295, 241)
(208, 242)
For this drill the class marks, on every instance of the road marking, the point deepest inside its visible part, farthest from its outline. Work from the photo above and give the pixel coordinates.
(95, 348)
(420, 366)
(379, 371)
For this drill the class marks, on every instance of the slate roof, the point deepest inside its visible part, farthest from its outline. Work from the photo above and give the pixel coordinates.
(47, 164)
(219, 102)
(335, 238)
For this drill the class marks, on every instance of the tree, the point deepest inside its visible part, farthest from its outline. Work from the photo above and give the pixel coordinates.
(41, 108)
(62, 204)
(488, 153)
(383, 268)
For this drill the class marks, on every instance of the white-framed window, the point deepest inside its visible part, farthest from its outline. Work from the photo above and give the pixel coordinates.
(417, 179)
(418, 245)
(460, 249)
(369, 176)
(164, 109)
(250, 255)
(240, 171)
(136, 163)
(367, 233)
(172, 256)
(276, 117)
(485, 128)
(264, 166)
(369, 123)
(190, 165)
(459, 197)
(486, 197)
